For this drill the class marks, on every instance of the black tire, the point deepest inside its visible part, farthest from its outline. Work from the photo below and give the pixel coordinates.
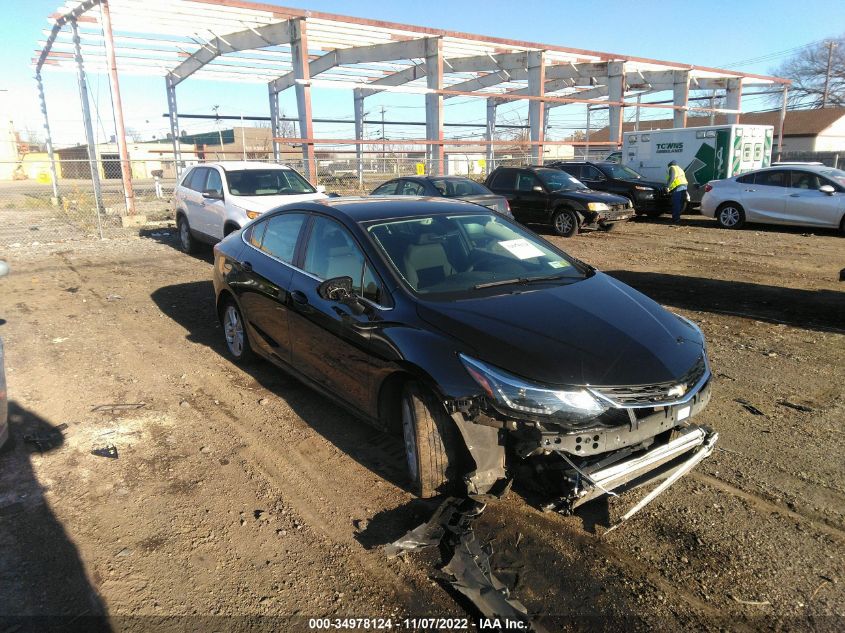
(842, 226)
(427, 430)
(730, 215)
(187, 243)
(565, 222)
(234, 333)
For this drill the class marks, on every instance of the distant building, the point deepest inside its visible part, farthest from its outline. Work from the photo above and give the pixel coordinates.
(820, 130)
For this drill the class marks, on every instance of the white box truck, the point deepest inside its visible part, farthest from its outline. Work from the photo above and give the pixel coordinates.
(705, 153)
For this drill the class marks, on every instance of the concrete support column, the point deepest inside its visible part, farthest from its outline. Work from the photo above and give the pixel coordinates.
(358, 96)
(733, 98)
(434, 105)
(680, 97)
(302, 75)
(275, 128)
(536, 107)
(490, 133)
(615, 92)
(783, 105)
(89, 127)
(173, 116)
(48, 139)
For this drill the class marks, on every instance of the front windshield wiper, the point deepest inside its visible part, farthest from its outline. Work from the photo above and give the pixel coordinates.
(518, 280)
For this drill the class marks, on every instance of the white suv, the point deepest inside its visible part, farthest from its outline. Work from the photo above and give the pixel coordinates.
(213, 199)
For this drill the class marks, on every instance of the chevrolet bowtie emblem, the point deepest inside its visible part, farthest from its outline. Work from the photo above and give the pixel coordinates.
(677, 390)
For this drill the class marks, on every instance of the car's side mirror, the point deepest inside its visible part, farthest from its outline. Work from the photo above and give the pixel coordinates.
(339, 289)
(321, 189)
(211, 194)
(828, 189)
(333, 195)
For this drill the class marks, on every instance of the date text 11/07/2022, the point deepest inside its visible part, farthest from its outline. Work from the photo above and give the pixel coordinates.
(414, 624)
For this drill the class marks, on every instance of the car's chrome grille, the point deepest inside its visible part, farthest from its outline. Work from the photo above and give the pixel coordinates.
(655, 394)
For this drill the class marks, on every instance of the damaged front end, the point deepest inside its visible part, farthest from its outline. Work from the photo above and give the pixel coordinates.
(584, 442)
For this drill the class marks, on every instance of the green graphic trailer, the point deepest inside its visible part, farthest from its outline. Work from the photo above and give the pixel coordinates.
(705, 153)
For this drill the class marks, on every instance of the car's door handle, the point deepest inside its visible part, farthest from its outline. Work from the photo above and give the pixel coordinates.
(751, 190)
(795, 195)
(247, 267)
(299, 297)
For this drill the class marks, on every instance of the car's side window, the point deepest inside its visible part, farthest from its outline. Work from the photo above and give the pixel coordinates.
(332, 252)
(411, 188)
(747, 179)
(572, 170)
(805, 180)
(504, 179)
(255, 233)
(526, 181)
(281, 234)
(186, 178)
(387, 189)
(197, 182)
(214, 182)
(591, 173)
(772, 178)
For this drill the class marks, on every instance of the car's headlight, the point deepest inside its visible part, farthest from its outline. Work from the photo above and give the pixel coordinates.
(513, 393)
(641, 188)
(597, 206)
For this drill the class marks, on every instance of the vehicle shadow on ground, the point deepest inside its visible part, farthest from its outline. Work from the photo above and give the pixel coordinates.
(192, 306)
(807, 309)
(43, 582)
(170, 237)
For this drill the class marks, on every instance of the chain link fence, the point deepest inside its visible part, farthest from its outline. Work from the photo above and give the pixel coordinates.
(34, 211)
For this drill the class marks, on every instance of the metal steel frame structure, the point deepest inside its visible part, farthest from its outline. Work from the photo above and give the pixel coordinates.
(235, 40)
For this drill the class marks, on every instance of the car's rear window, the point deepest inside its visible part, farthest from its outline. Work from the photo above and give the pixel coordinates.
(457, 187)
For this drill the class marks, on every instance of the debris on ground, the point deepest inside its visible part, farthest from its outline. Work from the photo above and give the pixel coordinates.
(118, 406)
(794, 405)
(109, 451)
(749, 407)
(47, 440)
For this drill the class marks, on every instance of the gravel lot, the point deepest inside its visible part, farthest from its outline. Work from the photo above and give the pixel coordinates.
(241, 493)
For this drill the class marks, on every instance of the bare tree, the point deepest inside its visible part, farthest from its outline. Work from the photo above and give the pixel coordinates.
(808, 70)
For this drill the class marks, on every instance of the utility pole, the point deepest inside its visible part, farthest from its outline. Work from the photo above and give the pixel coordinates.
(383, 146)
(830, 46)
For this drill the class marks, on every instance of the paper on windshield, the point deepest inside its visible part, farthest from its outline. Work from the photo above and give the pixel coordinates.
(521, 248)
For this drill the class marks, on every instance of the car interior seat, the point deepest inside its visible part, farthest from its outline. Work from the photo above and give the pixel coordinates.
(426, 262)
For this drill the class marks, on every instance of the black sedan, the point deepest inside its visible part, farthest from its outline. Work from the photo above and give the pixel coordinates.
(447, 187)
(648, 197)
(539, 195)
(477, 340)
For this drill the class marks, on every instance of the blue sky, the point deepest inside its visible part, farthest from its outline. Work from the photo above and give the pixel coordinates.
(716, 33)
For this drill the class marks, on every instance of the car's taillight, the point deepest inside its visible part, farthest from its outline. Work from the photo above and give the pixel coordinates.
(708, 187)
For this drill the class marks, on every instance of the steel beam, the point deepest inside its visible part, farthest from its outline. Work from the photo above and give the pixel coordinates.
(490, 133)
(299, 59)
(395, 79)
(276, 34)
(120, 128)
(49, 138)
(358, 96)
(479, 83)
(592, 93)
(536, 108)
(615, 92)
(733, 99)
(173, 116)
(89, 127)
(782, 119)
(680, 97)
(434, 104)
(274, 122)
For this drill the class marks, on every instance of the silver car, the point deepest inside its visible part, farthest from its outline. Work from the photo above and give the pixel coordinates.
(4, 405)
(806, 195)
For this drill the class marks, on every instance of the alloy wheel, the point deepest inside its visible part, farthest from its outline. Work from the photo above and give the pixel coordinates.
(184, 235)
(234, 331)
(729, 216)
(563, 223)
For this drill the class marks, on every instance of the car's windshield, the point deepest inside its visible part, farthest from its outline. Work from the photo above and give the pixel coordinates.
(620, 172)
(836, 175)
(457, 187)
(267, 182)
(556, 180)
(460, 254)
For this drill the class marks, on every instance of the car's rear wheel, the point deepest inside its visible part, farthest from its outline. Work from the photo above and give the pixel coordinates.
(234, 332)
(842, 226)
(565, 222)
(427, 431)
(730, 216)
(187, 243)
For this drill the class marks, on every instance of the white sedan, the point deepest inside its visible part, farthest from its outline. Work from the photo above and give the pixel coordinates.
(212, 200)
(808, 195)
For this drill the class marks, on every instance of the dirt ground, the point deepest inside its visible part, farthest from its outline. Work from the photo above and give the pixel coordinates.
(241, 493)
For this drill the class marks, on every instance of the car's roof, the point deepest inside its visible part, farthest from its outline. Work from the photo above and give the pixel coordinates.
(814, 168)
(238, 165)
(366, 208)
(430, 177)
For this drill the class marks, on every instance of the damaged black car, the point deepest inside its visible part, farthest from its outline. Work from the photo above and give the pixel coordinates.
(484, 345)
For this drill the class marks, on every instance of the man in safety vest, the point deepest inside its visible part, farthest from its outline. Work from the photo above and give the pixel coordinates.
(676, 182)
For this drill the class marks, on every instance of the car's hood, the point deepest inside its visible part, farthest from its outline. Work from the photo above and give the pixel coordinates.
(592, 332)
(590, 195)
(265, 203)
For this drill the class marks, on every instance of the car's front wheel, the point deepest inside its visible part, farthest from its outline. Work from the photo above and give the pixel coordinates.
(237, 342)
(730, 216)
(427, 431)
(565, 222)
(187, 243)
